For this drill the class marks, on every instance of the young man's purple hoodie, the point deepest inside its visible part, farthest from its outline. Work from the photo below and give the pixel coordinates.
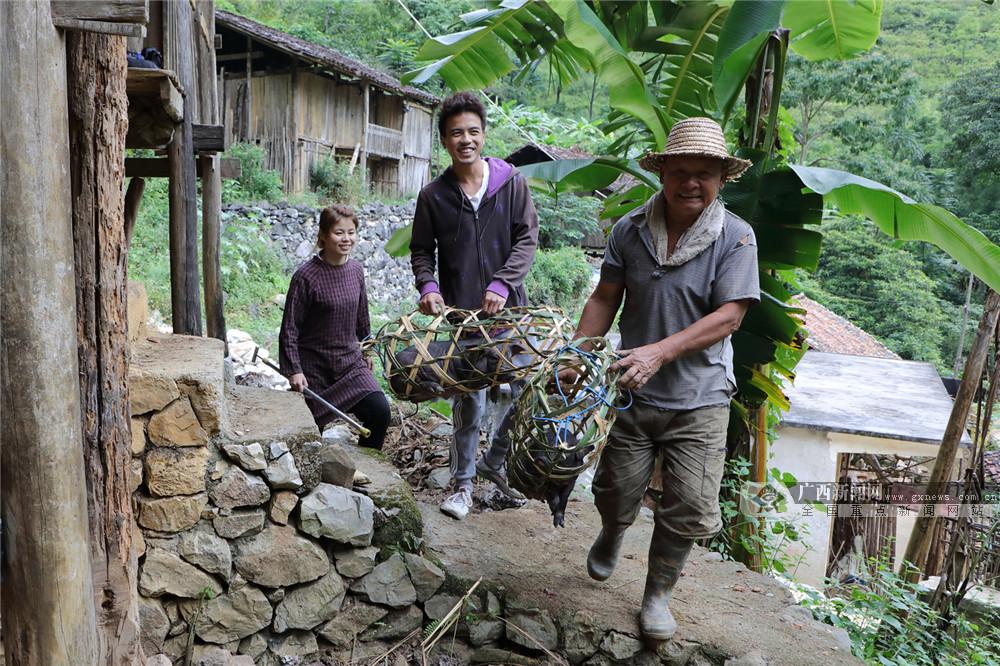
(474, 251)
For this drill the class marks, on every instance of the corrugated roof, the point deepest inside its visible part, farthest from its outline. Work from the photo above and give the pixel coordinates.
(320, 55)
(829, 332)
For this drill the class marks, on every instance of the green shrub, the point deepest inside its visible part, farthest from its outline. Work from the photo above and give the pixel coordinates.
(890, 623)
(255, 183)
(560, 277)
(332, 178)
(566, 220)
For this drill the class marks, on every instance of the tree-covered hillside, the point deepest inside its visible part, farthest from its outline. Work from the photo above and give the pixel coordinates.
(920, 112)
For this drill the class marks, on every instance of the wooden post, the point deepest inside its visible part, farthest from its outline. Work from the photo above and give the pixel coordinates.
(249, 96)
(211, 205)
(920, 539)
(98, 107)
(48, 603)
(177, 44)
(364, 134)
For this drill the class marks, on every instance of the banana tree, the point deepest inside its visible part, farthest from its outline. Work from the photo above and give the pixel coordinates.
(664, 61)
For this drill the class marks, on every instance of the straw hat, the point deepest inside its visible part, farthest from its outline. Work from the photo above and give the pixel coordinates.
(698, 137)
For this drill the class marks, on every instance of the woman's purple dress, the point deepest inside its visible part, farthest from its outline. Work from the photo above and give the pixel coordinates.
(326, 315)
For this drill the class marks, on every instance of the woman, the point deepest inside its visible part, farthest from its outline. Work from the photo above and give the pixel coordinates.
(326, 315)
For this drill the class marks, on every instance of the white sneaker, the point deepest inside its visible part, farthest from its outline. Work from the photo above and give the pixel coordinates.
(457, 506)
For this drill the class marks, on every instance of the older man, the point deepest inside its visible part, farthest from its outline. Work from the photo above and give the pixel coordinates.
(687, 271)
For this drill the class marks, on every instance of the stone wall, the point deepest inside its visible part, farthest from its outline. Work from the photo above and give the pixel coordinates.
(293, 230)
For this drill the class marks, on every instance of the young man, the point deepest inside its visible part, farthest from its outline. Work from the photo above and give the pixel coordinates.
(687, 271)
(476, 224)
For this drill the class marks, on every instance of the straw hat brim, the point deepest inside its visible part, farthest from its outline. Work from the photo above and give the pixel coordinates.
(734, 166)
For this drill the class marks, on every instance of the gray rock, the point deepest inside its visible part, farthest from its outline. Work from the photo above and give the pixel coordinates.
(203, 548)
(439, 478)
(304, 249)
(439, 605)
(338, 434)
(310, 605)
(166, 573)
(248, 456)
(486, 627)
(295, 644)
(397, 624)
(675, 652)
(581, 635)
(534, 621)
(232, 616)
(278, 557)
(154, 625)
(276, 449)
(351, 621)
(355, 562)
(754, 658)
(237, 488)
(336, 466)
(254, 645)
(159, 660)
(307, 460)
(338, 514)
(494, 655)
(425, 575)
(282, 473)
(388, 584)
(620, 646)
(239, 523)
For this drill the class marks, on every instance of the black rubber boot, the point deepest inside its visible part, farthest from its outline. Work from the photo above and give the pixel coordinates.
(667, 554)
(603, 555)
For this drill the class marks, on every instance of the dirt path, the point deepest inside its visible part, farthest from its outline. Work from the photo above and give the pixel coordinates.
(720, 605)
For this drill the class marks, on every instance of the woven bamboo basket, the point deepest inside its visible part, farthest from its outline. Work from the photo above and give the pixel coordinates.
(461, 351)
(556, 435)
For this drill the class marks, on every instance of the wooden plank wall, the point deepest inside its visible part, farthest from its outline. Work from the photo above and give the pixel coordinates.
(415, 170)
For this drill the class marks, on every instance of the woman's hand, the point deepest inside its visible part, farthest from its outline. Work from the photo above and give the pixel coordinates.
(298, 382)
(368, 362)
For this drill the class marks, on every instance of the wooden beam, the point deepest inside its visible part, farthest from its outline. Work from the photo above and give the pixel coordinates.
(211, 233)
(113, 11)
(48, 593)
(178, 19)
(161, 83)
(158, 167)
(918, 547)
(249, 92)
(102, 27)
(133, 197)
(366, 91)
(230, 57)
(209, 138)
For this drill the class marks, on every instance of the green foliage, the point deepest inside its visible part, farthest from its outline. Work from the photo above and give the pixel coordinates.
(763, 531)
(332, 179)
(397, 54)
(864, 277)
(566, 220)
(253, 271)
(560, 277)
(889, 623)
(256, 183)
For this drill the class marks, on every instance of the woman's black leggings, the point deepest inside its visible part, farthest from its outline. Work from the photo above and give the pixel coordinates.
(373, 412)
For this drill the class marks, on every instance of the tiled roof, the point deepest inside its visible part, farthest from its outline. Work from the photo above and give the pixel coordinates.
(319, 55)
(829, 332)
(991, 463)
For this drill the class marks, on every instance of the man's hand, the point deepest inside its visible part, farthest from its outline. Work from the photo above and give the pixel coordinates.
(431, 303)
(639, 365)
(492, 303)
(298, 382)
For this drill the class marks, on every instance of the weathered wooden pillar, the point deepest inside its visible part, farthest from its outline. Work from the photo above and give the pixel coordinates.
(211, 233)
(366, 91)
(98, 122)
(183, 191)
(48, 602)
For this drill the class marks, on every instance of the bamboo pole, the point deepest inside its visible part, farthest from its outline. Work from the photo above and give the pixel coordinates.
(48, 603)
(920, 539)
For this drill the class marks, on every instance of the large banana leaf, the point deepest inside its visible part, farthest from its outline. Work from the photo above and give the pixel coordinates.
(740, 42)
(584, 175)
(903, 218)
(478, 56)
(625, 80)
(832, 29)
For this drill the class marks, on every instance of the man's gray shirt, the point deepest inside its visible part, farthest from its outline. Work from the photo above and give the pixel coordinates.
(663, 300)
